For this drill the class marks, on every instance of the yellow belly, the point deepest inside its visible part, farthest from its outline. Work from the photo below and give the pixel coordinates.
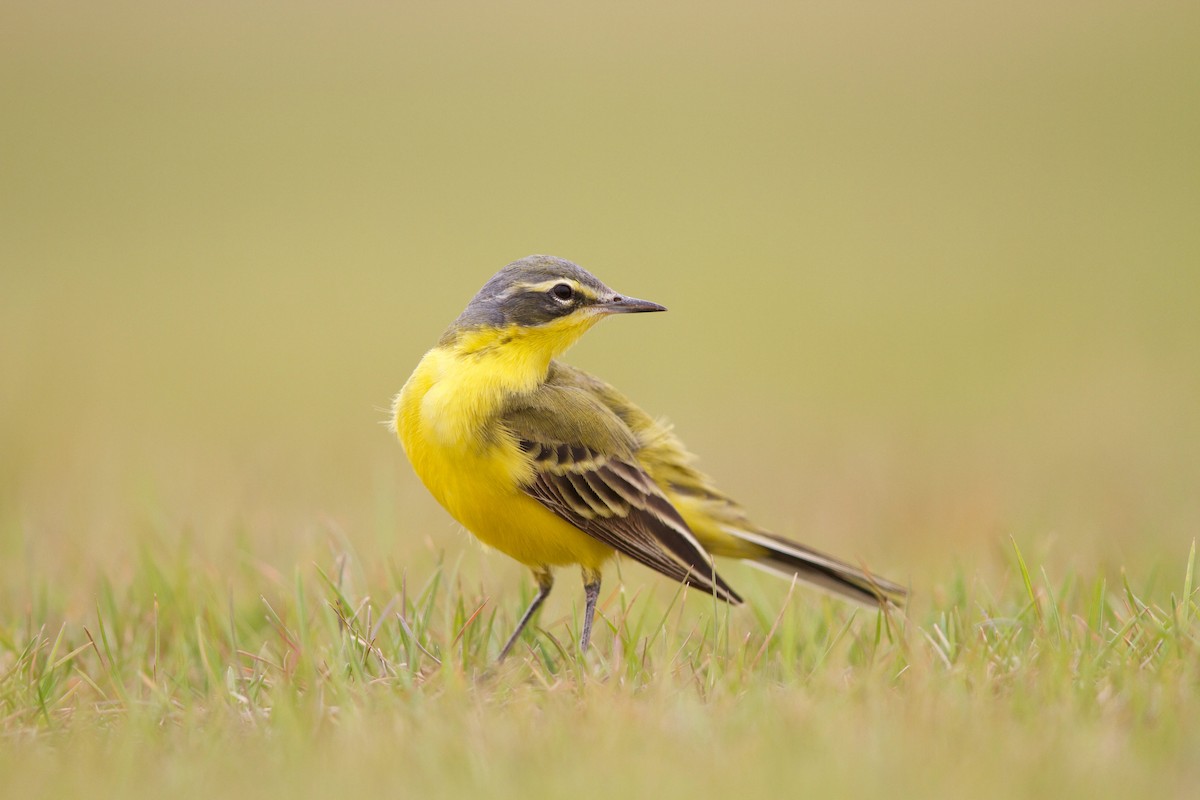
(438, 418)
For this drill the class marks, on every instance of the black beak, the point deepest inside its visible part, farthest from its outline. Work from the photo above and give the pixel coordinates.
(629, 305)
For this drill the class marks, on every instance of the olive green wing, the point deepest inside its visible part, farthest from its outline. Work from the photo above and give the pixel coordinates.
(657, 447)
(586, 471)
(721, 524)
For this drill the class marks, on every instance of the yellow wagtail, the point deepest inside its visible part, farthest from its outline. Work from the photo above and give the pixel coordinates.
(554, 467)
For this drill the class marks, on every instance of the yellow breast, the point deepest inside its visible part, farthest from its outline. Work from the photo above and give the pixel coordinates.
(447, 419)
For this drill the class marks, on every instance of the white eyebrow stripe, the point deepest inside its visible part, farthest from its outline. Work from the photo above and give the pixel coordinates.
(546, 286)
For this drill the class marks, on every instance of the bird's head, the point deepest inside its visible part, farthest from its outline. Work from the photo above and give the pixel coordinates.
(542, 302)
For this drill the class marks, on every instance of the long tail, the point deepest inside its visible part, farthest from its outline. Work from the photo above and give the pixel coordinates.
(787, 558)
(724, 529)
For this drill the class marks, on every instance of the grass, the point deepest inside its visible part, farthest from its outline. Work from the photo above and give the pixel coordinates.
(186, 680)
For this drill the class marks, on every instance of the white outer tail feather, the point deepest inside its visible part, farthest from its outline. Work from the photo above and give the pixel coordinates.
(847, 582)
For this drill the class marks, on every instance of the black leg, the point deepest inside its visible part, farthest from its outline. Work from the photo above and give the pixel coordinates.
(591, 591)
(545, 582)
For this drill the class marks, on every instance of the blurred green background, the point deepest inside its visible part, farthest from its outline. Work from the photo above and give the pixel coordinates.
(933, 269)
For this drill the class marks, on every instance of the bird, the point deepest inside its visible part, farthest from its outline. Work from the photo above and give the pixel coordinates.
(554, 467)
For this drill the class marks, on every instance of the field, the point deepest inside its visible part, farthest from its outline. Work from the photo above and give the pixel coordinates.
(933, 276)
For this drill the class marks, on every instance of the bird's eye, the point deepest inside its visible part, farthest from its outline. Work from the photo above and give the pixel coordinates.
(562, 292)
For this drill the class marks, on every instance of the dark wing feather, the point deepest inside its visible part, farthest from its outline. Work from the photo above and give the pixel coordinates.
(589, 500)
(588, 475)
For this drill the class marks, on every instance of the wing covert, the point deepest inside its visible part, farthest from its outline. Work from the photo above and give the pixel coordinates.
(598, 487)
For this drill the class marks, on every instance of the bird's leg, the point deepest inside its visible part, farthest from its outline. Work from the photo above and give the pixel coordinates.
(545, 582)
(591, 591)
